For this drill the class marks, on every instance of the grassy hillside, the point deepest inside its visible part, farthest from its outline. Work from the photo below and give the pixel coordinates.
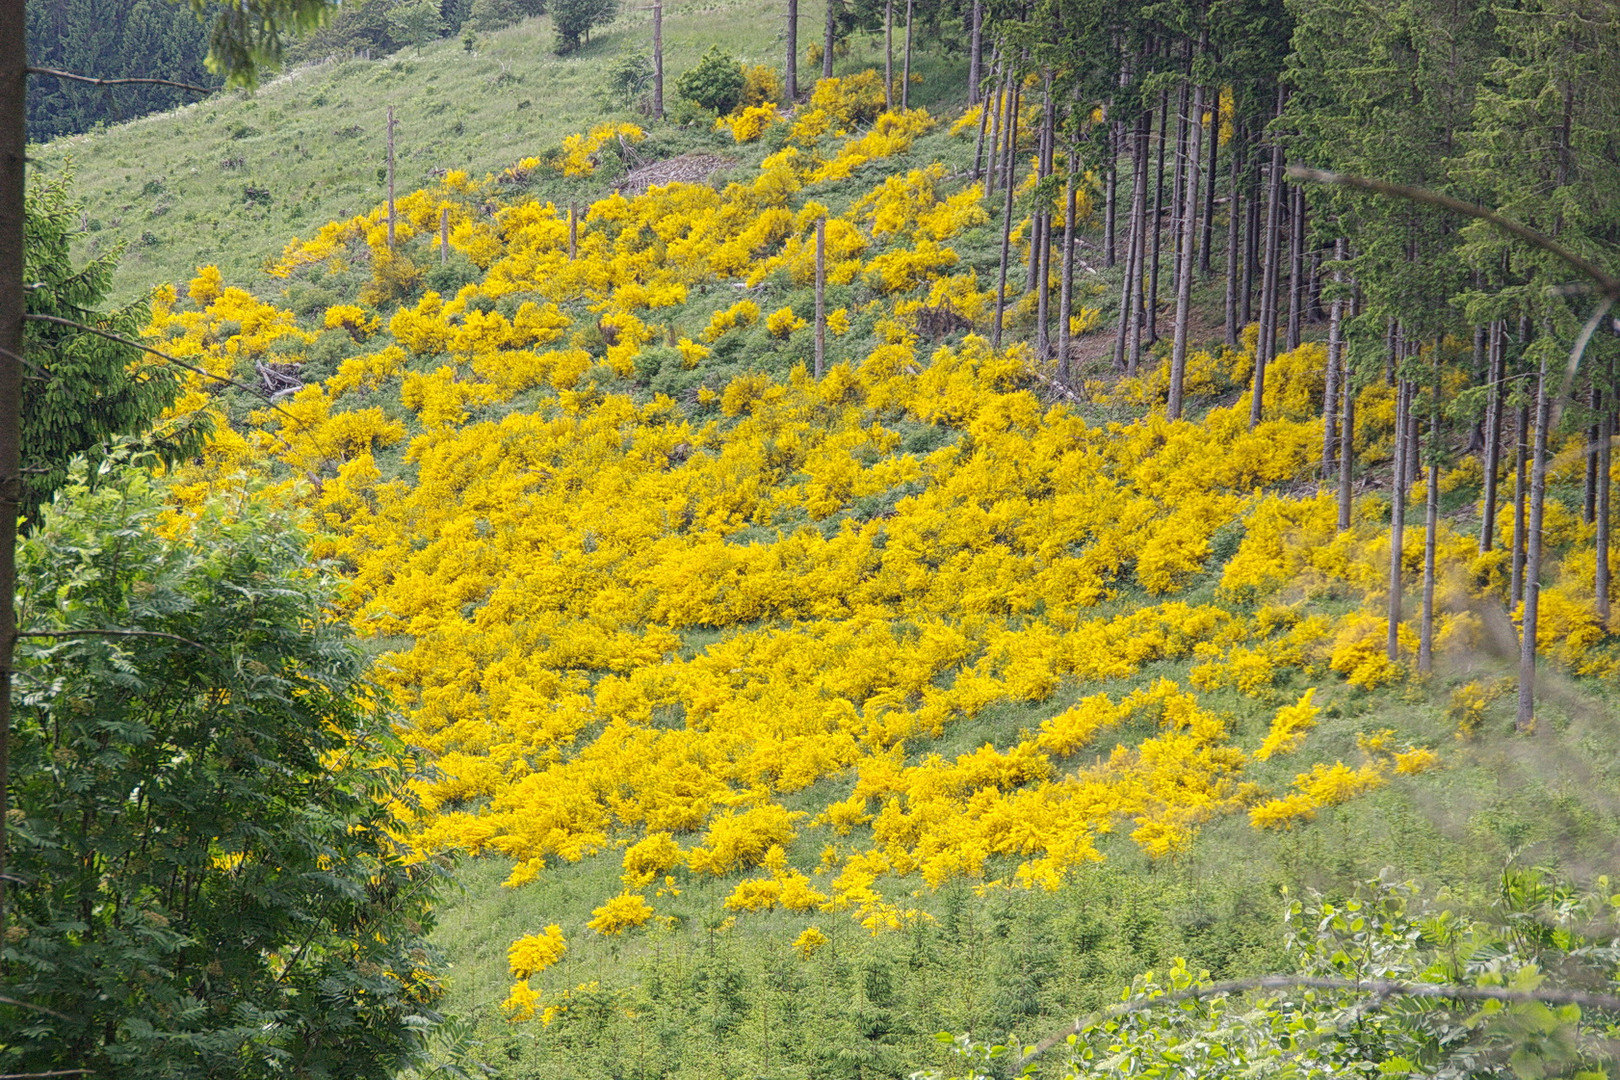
(820, 715)
(229, 180)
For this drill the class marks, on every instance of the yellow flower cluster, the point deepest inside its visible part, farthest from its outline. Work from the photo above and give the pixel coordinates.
(579, 151)
(624, 621)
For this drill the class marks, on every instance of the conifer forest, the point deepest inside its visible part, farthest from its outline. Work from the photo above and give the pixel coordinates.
(826, 540)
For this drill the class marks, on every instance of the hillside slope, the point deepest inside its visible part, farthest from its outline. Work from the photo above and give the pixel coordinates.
(229, 180)
(784, 721)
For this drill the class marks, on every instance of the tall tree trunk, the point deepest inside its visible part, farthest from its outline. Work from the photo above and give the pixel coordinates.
(1041, 257)
(1520, 482)
(905, 68)
(1178, 173)
(1493, 435)
(658, 59)
(1189, 237)
(1251, 245)
(976, 54)
(1207, 241)
(1266, 347)
(790, 77)
(1157, 216)
(1296, 266)
(1233, 230)
(1589, 485)
(391, 214)
(1526, 718)
(1007, 212)
(1110, 199)
(985, 109)
(831, 39)
(1347, 444)
(1066, 288)
(1397, 523)
(1335, 350)
(888, 55)
(1431, 519)
(13, 127)
(1139, 229)
(1602, 542)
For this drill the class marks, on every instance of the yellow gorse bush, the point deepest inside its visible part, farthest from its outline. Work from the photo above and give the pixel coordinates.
(859, 590)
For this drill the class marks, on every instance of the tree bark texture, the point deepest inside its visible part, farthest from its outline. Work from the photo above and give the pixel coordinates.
(1189, 237)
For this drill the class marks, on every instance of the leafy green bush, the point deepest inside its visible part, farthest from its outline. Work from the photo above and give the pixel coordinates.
(200, 814)
(573, 19)
(716, 83)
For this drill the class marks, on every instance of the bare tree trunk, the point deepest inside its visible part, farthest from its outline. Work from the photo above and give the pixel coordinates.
(1189, 237)
(1347, 445)
(1525, 721)
(1138, 257)
(573, 232)
(1397, 522)
(1042, 256)
(1208, 237)
(1043, 164)
(14, 108)
(1335, 351)
(905, 69)
(1066, 288)
(1178, 178)
(985, 109)
(998, 126)
(821, 295)
(1266, 347)
(1007, 212)
(1520, 483)
(1589, 485)
(790, 76)
(976, 58)
(831, 39)
(1296, 266)
(1431, 520)
(1110, 193)
(1233, 231)
(391, 215)
(1157, 216)
(444, 235)
(1493, 436)
(888, 55)
(1602, 541)
(658, 59)
(1251, 246)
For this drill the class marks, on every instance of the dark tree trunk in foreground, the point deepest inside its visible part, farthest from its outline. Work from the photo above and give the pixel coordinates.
(13, 127)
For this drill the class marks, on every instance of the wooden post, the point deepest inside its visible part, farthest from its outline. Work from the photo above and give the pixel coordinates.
(390, 178)
(832, 36)
(573, 231)
(444, 234)
(790, 79)
(821, 294)
(905, 67)
(658, 59)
